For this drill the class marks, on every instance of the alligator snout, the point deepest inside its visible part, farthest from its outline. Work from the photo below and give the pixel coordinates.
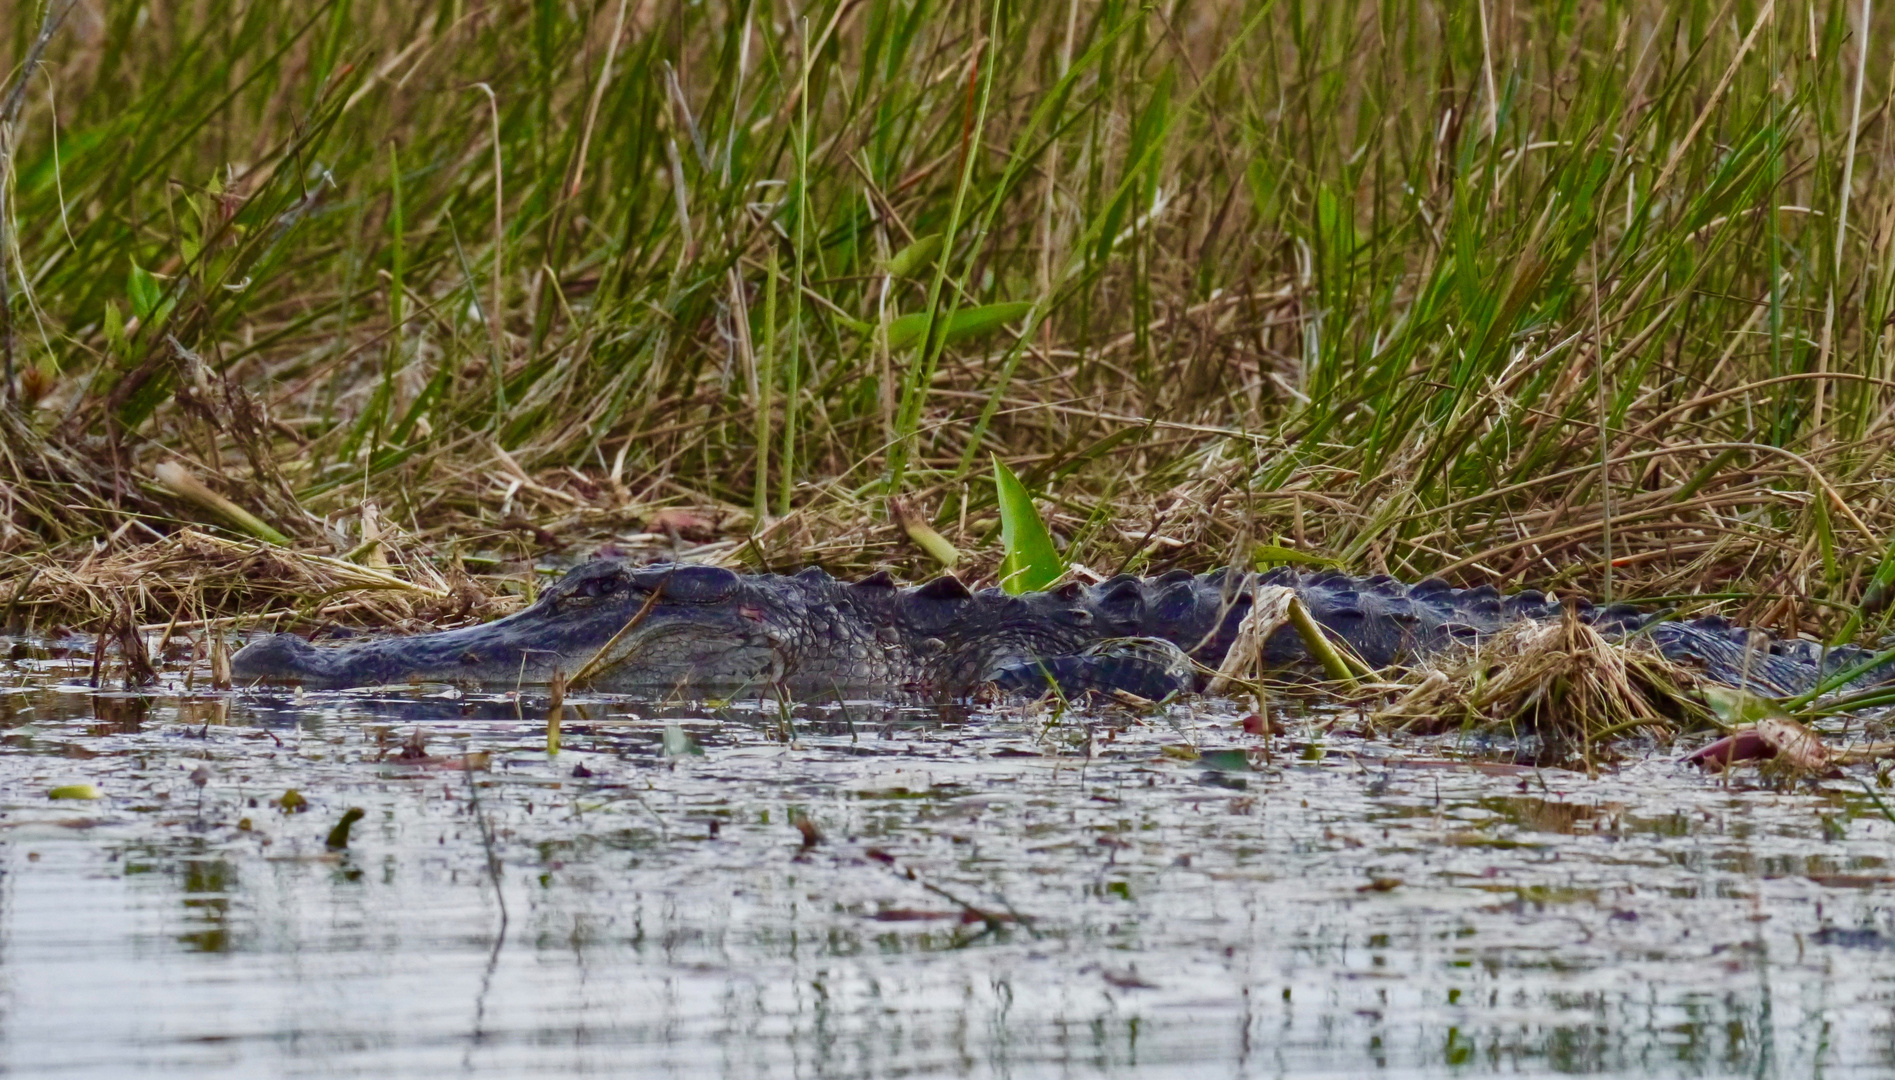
(279, 658)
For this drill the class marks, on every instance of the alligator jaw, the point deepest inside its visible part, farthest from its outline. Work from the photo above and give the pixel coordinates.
(497, 652)
(620, 634)
(281, 658)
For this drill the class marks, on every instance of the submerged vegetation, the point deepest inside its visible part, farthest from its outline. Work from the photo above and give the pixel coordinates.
(1588, 295)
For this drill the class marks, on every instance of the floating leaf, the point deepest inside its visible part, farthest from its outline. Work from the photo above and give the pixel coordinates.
(680, 743)
(963, 324)
(74, 791)
(1028, 561)
(1226, 760)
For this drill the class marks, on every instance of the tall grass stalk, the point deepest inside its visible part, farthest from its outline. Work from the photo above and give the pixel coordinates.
(793, 369)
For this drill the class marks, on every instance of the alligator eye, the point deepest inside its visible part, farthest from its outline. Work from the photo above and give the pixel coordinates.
(586, 590)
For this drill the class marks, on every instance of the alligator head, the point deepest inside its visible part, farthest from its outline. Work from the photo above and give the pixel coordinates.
(646, 629)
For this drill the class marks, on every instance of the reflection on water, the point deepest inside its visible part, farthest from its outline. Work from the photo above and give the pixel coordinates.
(867, 891)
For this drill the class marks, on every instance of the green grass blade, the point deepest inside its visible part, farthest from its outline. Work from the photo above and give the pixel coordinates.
(965, 324)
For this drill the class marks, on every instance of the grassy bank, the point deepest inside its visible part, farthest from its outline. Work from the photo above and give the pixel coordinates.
(1581, 294)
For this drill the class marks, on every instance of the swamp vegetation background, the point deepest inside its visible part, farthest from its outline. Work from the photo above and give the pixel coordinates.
(1591, 295)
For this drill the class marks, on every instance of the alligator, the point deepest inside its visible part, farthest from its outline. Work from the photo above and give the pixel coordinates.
(707, 631)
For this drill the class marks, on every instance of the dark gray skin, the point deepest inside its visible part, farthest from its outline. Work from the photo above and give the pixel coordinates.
(706, 631)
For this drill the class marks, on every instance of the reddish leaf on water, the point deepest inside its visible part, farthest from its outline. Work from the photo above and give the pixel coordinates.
(1743, 746)
(1771, 737)
(1256, 724)
(914, 915)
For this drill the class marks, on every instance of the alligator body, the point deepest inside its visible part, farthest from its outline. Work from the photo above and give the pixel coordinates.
(701, 630)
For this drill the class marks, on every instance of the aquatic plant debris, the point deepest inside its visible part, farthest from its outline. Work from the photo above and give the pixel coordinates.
(339, 836)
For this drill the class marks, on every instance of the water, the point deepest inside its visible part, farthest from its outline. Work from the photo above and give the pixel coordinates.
(987, 893)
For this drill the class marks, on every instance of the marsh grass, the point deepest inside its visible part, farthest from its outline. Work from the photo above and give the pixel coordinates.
(1582, 295)
(1559, 681)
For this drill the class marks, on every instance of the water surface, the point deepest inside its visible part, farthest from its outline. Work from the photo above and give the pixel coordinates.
(992, 892)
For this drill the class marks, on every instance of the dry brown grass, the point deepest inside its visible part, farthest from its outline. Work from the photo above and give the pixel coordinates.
(1560, 681)
(192, 579)
(1596, 298)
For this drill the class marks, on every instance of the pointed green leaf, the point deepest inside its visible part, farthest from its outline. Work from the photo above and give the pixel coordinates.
(965, 323)
(915, 256)
(144, 291)
(1028, 561)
